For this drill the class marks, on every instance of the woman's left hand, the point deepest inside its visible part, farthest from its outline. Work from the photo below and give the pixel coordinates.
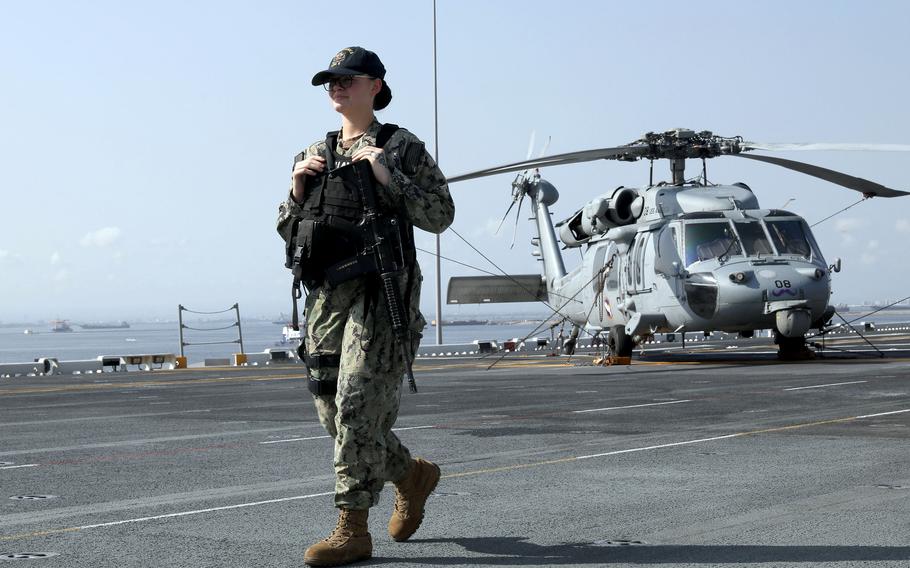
(373, 154)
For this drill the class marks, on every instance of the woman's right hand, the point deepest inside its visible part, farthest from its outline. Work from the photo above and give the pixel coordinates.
(312, 166)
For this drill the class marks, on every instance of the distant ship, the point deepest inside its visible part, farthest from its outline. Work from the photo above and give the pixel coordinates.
(102, 325)
(60, 326)
(461, 322)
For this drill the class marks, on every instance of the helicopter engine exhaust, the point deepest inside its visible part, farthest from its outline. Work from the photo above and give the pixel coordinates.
(623, 207)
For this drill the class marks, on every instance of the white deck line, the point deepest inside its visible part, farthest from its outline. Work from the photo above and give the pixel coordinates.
(630, 406)
(884, 413)
(827, 385)
(657, 447)
(19, 466)
(200, 511)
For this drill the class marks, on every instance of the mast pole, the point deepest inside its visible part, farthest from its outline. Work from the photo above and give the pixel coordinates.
(436, 157)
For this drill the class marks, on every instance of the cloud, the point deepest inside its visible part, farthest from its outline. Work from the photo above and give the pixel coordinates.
(55, 258)
(873, 244)
(62, 275)
(902, 226)
(846, 228)
(868, 258)
(101, 238)
(848, 224)
(9, 258)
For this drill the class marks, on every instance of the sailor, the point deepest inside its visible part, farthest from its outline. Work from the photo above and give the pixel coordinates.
(349, 346)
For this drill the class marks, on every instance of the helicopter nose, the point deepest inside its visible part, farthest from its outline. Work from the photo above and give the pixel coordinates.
(793, 322)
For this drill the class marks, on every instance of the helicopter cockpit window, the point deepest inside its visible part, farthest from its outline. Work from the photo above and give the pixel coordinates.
(789, 237)
(754, 240)
(705, 241)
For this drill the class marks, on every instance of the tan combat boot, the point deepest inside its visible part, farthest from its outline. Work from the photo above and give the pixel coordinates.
(410, 496)
(349, 542)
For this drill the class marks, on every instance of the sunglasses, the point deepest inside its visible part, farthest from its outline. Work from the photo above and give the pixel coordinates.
(342, 82)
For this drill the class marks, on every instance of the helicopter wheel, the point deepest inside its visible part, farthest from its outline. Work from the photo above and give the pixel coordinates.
(792, 348)
(618, 343)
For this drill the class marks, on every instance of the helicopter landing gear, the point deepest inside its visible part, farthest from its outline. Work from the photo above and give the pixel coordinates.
(568, 347)
(792, 348)
(618, 343)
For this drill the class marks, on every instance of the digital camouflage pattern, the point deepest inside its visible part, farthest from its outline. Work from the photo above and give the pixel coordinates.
(351, 319)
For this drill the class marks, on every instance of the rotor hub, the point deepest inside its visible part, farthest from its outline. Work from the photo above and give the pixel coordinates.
(682, 143)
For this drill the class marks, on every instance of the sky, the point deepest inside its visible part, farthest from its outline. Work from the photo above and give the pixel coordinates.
(145, 146)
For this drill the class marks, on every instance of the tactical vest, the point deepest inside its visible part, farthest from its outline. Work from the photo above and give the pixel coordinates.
(328, 230)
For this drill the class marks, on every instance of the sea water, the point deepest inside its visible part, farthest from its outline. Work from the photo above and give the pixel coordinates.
(164, 337)
(258, 335)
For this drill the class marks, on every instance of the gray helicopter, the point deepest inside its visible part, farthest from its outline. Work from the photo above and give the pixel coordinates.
(675, 257)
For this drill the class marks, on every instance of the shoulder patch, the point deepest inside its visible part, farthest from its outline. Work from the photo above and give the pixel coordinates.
(407, 151)
(412, 157)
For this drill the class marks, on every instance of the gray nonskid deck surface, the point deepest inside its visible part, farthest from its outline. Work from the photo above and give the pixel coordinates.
(546, 463)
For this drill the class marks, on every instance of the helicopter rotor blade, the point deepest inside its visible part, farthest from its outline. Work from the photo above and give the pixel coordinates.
(503, 220)
(621, 152)
(545, 146)
(531, 144)
(824, 146)
(864, 186)
(517, 218)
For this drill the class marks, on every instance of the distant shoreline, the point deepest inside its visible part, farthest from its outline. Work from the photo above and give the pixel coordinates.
(494, 320)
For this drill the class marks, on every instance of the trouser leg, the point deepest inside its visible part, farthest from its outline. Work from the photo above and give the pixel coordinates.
(324, 332)
(367, 453)
(361, 414)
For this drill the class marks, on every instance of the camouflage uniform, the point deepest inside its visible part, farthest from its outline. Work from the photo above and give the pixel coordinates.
(351, 320)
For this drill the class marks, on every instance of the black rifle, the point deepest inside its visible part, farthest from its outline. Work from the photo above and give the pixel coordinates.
(383, 253)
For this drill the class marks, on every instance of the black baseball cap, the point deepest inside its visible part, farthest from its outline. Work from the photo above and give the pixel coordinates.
(357, 61)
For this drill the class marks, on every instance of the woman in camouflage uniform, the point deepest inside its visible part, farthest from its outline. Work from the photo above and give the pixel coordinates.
(348, 328)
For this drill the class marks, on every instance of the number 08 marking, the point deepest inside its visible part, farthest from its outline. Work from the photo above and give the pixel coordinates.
(782, 283)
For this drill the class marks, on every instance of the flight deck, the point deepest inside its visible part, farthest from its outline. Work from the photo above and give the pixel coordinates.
(699, 456)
